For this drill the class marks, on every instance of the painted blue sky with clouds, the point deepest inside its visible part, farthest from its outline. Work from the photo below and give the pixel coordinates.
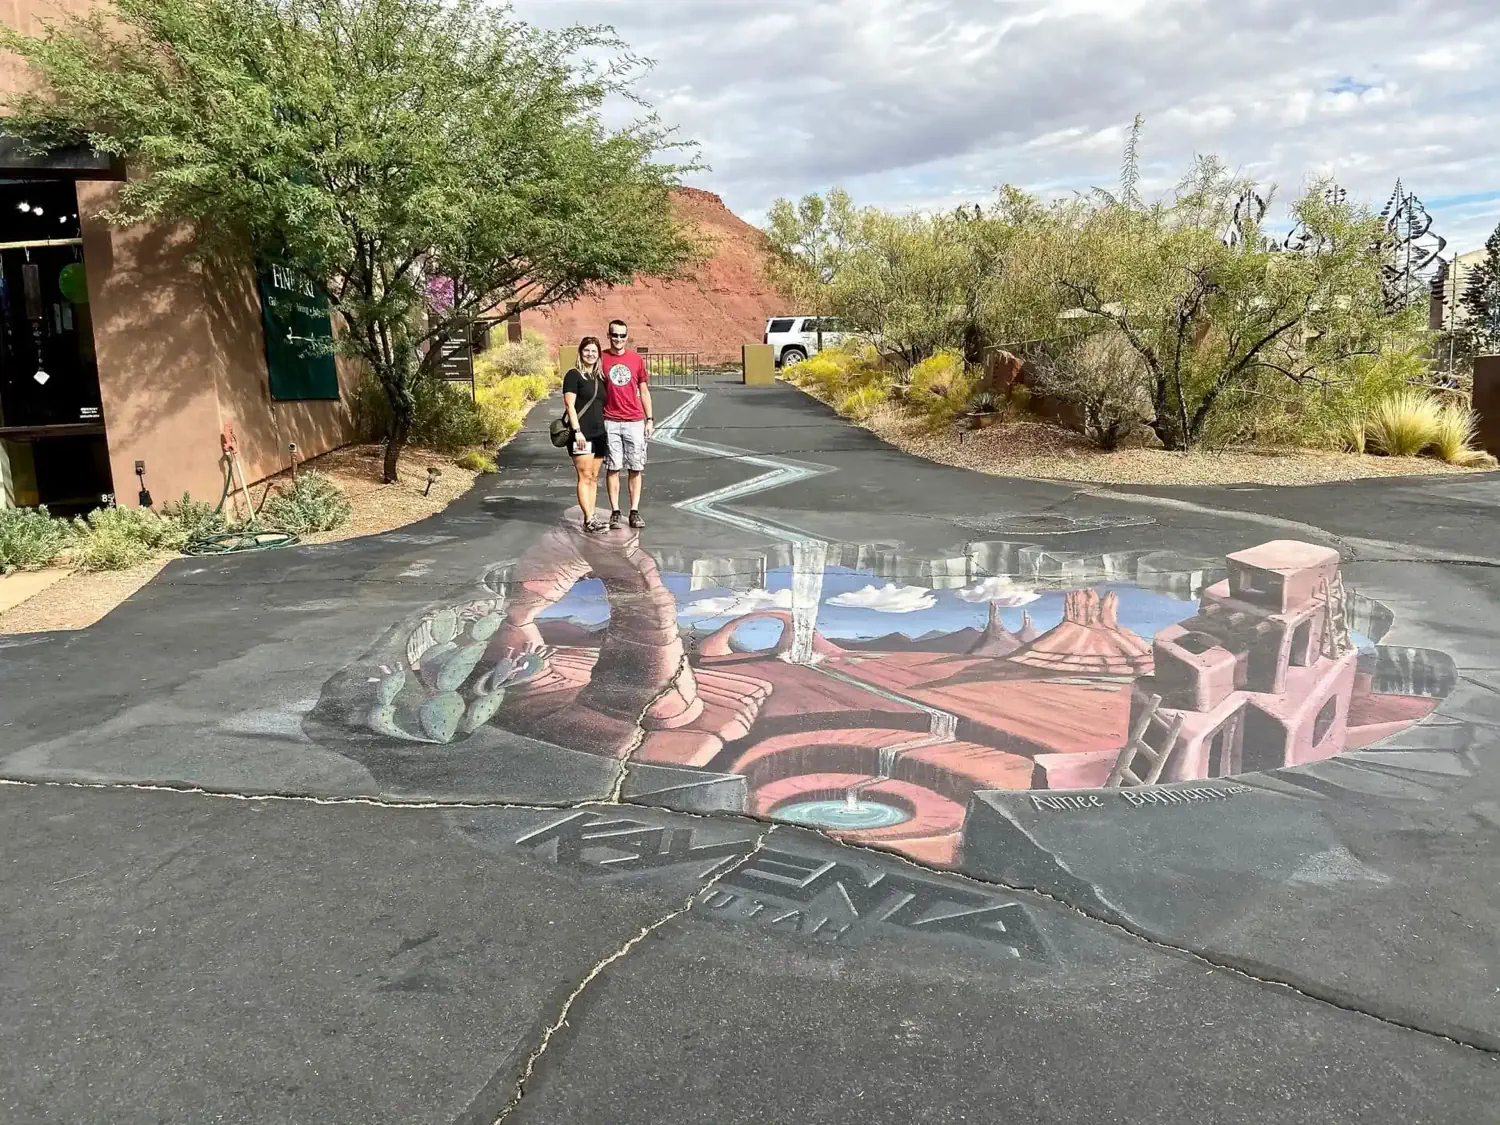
(1141, 611)
(929, 103)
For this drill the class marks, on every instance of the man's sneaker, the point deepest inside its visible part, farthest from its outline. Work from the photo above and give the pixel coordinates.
(635, 519)
(614, 520)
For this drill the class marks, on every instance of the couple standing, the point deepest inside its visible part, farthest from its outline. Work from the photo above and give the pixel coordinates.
(607, 400)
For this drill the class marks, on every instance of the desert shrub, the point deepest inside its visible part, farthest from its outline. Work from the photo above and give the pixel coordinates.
(983, 402)
(823, 372)
(940, 387)
(1350, 433)
(195, 518)
(1457, 426)
(534, 388)
(503, 404)
(1475, 459)
(116, 538)
(369, 409)
(1019, 402)
(531, 356)
(937, 375)
(1404, 424)
(476, 461)
(862, 401)
(313, 502)
(446, 418)
(29, 538)
(1105, 378)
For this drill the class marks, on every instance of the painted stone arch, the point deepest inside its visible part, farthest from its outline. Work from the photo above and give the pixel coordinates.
(640, 674)
(718, 643)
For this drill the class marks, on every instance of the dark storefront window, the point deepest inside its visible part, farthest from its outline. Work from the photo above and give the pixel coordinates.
(51, 417)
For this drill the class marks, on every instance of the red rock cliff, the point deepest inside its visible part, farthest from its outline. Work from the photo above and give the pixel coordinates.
(723, 305)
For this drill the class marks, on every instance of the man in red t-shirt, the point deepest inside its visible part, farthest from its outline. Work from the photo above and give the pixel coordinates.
(628, 424)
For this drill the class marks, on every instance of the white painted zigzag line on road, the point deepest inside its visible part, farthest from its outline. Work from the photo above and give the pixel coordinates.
(782, 473)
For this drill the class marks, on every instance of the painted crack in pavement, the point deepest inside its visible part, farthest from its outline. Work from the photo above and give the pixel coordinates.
(782, 472)
(615, 794)
(290, 798)
(728, 866)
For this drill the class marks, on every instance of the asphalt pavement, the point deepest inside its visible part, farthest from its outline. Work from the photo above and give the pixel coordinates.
(815, 801)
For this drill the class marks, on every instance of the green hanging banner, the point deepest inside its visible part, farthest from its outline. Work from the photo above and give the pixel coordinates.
(299, 338)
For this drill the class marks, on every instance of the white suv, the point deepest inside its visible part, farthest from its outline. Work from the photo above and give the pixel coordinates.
(794, 338)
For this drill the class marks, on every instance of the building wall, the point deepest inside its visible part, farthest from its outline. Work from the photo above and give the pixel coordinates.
(156, 368)
(182, 354)
(264, 428)
(1446, 307)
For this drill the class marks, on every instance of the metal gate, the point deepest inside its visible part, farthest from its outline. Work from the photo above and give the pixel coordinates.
(672, 369)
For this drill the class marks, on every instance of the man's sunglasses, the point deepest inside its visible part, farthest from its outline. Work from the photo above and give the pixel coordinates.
(618, 335)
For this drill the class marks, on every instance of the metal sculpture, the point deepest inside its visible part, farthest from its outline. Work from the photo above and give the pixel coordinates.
(1410, 249)
(1249, 210)
(1301, 240)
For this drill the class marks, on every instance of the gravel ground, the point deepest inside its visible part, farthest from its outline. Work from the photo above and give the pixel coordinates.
(1032, 449)
(81, 599)
(78, 600)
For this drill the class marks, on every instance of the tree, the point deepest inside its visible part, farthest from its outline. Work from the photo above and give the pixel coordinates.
(918, 283)
(906, 282)
(810, 242)
(370, 146)
(1481, 300)
(1209, 315)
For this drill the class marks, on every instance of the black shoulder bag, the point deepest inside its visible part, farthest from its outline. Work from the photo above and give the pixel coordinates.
(561, 432)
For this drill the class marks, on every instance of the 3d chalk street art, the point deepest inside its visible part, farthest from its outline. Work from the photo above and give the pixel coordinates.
(871, 692)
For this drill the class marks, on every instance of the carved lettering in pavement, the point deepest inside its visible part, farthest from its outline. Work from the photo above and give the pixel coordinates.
(790, 891)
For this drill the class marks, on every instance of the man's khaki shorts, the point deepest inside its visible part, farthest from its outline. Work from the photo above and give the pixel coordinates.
(627, 445)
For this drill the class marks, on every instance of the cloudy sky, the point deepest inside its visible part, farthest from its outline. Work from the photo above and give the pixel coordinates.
(927, 103)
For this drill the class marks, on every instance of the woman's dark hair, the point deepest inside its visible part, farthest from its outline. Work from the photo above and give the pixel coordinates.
(583, 343)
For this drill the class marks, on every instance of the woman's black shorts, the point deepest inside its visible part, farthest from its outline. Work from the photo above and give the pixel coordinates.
(598, 447)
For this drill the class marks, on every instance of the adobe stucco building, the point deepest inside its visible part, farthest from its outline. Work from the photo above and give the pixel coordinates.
(116, 347)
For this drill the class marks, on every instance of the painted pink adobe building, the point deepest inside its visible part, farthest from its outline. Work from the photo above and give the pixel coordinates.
(1262, 677)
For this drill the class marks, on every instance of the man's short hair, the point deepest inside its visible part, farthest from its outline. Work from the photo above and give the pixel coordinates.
(618, 321)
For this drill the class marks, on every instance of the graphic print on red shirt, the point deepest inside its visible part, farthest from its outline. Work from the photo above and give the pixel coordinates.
(624, 375)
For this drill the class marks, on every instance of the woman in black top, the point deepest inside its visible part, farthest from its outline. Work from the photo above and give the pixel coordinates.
(583, 401)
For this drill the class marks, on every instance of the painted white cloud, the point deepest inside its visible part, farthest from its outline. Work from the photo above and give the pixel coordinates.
(737, 605)
(889, 598)
(929, 103)
(1000, 590)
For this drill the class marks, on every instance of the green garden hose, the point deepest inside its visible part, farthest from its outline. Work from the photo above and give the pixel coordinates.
(251, 537)
(233, 542)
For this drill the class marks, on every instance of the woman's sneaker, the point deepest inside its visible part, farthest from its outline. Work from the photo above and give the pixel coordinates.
(594, 524)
